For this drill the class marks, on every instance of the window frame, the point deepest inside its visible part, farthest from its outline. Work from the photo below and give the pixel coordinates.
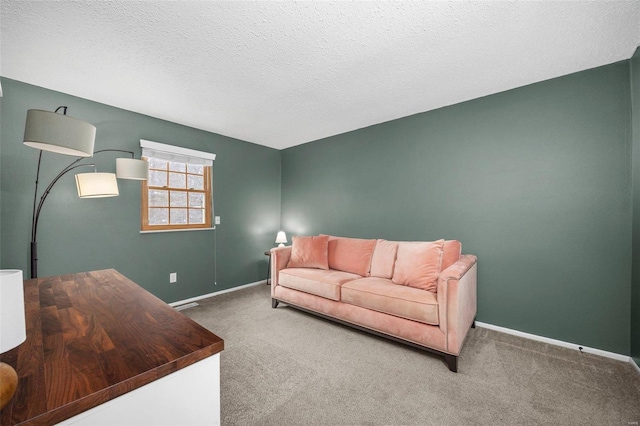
(171, 153)
(208, 213)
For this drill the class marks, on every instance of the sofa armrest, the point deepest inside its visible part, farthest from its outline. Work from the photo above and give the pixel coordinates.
(279, 260)
(457, 300)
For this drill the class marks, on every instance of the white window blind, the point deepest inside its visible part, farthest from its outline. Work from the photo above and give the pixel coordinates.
(176, 153)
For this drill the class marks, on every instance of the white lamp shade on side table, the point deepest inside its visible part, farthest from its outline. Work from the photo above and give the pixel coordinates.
(12, 322)
(281, 238)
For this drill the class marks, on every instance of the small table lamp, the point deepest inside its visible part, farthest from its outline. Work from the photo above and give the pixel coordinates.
(12, 327)
(281, 238)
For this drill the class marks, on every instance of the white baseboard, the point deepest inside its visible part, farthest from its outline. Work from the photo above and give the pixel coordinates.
(215, 293)
(561, 343)
(634, 365)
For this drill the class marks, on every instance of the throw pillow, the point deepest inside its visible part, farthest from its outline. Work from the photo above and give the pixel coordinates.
(384, 259)
(450, 253)
(309, 252)
(418, 265)
(350, 254)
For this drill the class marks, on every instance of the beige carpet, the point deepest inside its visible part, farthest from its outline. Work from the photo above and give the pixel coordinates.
(284, 367)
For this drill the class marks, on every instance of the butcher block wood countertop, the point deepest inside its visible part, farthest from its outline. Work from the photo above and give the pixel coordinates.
(92, 337)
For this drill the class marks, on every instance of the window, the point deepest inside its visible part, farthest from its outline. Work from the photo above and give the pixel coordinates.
(178, 193)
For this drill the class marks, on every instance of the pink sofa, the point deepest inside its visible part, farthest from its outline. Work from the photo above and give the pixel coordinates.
(419, 293)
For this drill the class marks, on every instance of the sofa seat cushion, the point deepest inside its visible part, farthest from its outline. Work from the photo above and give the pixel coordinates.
(323, 283)
(382, 295)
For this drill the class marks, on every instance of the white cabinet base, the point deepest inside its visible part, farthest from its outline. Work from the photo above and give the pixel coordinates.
(190, 396)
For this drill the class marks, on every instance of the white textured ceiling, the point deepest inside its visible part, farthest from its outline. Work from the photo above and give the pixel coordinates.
(283, 73)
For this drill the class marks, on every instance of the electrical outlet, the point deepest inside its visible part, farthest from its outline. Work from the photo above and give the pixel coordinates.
(173, 277)
(217, 220)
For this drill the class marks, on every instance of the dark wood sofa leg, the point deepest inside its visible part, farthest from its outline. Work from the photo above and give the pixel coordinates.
(274, 303)
(452, 362)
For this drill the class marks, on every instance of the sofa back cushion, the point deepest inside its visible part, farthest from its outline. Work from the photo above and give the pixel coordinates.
(451, 252)
(350, 254)
(418, 264)
(384, 259)
(309, 252)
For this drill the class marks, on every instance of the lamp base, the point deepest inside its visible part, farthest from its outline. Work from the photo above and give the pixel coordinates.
(280, 245)
(8, 383)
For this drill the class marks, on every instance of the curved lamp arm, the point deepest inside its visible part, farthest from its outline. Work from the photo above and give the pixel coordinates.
(35, 216)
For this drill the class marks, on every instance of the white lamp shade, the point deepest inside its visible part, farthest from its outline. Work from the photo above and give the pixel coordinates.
(130, 168)
(12, 323)
(59, 133)
(96, 185)
(281, 238)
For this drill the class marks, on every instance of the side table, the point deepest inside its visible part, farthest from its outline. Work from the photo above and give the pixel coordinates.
(268, 253)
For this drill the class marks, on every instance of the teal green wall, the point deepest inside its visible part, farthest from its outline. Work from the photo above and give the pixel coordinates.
(79, 235)
(635, 290)
(535, 181)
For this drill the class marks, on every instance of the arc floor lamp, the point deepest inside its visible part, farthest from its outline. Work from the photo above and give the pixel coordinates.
(62, 134)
